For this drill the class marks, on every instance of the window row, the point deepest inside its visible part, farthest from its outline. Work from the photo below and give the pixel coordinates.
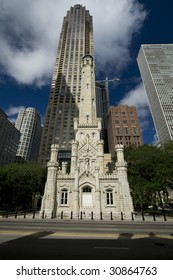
(65, 196)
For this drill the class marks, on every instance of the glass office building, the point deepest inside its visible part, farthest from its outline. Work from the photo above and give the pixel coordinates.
(156, 67)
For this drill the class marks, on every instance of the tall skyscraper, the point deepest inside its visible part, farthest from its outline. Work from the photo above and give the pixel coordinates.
(29, 124)
(102, 111)
(76, 40)
(156, 67)
(123, 127)
(9, 139)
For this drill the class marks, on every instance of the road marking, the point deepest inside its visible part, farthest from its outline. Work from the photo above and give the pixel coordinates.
(137, 236)
(84, 235)
(112, 248)
(7, 236)
(81, 235)
(16, 232)
(167, 236)
(65, 234)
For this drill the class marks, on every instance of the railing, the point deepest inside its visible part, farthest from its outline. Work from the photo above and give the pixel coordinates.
(18, 214)
(82, 215)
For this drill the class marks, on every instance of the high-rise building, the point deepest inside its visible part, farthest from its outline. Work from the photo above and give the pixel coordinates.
(156, 68)
(102, 111)
(76, 40)
(123, 127)
(9, 139)
(29, 124)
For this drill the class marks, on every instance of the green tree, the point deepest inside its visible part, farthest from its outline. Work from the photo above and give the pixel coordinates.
(150, 173)
(19, 184)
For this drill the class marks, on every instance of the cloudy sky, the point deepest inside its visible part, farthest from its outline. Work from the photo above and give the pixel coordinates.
(29, 33)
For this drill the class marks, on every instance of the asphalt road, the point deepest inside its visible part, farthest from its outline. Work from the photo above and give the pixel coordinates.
(52, 239)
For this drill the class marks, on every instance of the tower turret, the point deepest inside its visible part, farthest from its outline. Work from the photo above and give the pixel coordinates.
(87, 110)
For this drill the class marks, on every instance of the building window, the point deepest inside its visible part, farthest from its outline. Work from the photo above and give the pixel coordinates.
(87, 189)
(109, 197)
(134, 131)
(118, 130)
(64, 197)
(126, 130)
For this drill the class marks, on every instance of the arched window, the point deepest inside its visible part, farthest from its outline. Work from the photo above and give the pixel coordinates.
(64, 196)
(109, 197)
(87, 189)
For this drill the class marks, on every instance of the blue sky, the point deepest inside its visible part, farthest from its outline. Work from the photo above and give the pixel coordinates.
(29, 38)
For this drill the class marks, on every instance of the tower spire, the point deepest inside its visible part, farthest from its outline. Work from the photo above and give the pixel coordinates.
(87, 108)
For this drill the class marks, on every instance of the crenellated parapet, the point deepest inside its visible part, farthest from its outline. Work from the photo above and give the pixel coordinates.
(108, 176)
(62, 176)
(54, 153)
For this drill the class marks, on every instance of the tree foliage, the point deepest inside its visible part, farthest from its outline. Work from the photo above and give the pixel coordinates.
(19, 183)
(150, 174)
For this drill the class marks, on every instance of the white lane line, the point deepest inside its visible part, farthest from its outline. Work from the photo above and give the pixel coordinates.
(112, 248)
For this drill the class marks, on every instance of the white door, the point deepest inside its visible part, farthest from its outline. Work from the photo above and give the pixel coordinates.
(87, 200)
(87, 197)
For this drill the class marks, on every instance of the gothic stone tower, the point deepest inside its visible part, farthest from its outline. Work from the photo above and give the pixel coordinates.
(89, 188)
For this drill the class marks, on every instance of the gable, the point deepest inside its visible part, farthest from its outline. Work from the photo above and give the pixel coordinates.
(86, 178)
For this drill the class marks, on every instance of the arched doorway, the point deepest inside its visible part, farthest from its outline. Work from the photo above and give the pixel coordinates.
(87, 201)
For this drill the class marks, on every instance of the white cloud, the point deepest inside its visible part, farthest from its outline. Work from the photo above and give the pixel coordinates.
(137, 97)
(13, 111)
(30, 31)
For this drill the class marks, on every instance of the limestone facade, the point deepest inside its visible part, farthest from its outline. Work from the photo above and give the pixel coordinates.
(90, 189)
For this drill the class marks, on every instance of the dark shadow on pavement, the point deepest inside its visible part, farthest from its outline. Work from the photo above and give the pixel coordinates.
(37, 247)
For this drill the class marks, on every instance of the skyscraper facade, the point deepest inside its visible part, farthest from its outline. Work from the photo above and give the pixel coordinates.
(29, 124)
(9, 139)
(156, 68)
(76, 40)
(102, 111)
(123, 127)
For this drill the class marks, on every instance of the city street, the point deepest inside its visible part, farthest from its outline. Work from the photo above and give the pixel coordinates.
(52, 239)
